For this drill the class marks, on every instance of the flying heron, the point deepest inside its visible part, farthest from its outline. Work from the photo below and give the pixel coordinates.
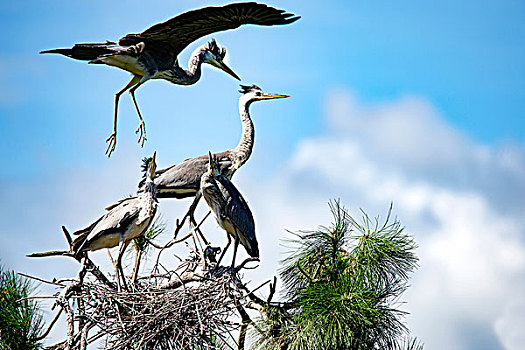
(124, 221)
(230, 210)
(184, 179)
(153, 53)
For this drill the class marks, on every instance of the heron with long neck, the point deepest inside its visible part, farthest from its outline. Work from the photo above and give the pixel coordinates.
(183, 180)
(153, 53)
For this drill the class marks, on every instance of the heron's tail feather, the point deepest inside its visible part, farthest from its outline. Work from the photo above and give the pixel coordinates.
(251, 246)
(86, 52)
(78, 245)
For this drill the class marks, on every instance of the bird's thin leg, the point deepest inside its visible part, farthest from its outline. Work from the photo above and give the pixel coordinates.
(192, 220)
(236, 245)
(189, 214)
(142, 126)
(112, 139)
(120, 271)
(224, 251)
(193, 206)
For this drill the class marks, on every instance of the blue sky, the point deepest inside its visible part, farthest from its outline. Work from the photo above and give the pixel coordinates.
(422, 99)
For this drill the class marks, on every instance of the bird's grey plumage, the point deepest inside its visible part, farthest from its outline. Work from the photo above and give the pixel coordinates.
(230, 209)
(122, 222)
(153, 53)
(183, 180)
(177, 33)
(125, 220)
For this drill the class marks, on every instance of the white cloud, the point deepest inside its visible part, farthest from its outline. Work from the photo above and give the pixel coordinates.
(462, 200)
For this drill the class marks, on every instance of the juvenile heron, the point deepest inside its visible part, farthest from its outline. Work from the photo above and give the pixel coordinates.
(230, 210)
(183, 180)
(124, 221)
(153, 53)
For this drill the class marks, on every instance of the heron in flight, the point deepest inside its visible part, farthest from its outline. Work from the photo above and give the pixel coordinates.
(153, 53)
(125, 220)
(184, 179)
(230, 210)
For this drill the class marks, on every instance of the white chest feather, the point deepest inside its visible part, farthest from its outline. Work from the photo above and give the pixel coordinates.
(129, 63)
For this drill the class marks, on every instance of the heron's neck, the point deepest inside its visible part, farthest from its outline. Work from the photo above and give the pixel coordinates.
(194, 68)
(150, 189)
(245, 146)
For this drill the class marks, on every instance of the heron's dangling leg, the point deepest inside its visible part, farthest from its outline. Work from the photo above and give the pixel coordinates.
(120, 272)
(142, 126)
(112, 139)
(236, 245)
(224, 251)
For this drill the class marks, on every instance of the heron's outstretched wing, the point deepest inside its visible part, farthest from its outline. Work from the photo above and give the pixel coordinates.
(183, 29)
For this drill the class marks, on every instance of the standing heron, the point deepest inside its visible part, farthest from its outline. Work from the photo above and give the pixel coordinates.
(230, 210)
(127, 219)
(153, 53)
(184, 179)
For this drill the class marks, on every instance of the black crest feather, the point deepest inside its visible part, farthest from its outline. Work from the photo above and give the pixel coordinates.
(215, 49)
(145, 164)
(247, 88)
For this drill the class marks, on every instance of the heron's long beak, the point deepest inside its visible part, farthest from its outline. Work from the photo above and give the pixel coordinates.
(210, 163)
(227, 69)
(153, 165)
(271, 96)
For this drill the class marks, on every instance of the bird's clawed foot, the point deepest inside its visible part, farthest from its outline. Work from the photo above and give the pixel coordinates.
(112, 139)
(142, 137)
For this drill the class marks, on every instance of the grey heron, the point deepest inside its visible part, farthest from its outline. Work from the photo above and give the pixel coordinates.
(153, 53)
(125, 220)
(230, 210)
(183, 180)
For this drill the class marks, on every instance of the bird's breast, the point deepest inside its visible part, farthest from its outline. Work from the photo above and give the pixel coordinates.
(108, 240)
(128, 63)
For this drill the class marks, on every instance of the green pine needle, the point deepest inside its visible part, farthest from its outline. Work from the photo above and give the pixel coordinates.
(344, 282)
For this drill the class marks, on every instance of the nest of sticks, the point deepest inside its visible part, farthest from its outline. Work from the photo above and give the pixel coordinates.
(196, 306)
(154, 318)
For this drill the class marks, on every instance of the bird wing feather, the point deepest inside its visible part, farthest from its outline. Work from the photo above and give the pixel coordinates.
(109, 207)
(187, 174)
(238, 211)
(115, 220)
(178, 32)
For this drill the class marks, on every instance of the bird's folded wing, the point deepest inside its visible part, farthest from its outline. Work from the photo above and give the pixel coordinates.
(116, 219)
(237, 208)
(109, 207)
(188, 173)
(183, 29)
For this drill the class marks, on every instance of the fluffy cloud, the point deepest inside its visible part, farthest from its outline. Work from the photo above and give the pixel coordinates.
(463, 201)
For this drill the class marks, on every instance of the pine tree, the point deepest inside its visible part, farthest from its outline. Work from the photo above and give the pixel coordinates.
(20, 320)
(342, 285)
